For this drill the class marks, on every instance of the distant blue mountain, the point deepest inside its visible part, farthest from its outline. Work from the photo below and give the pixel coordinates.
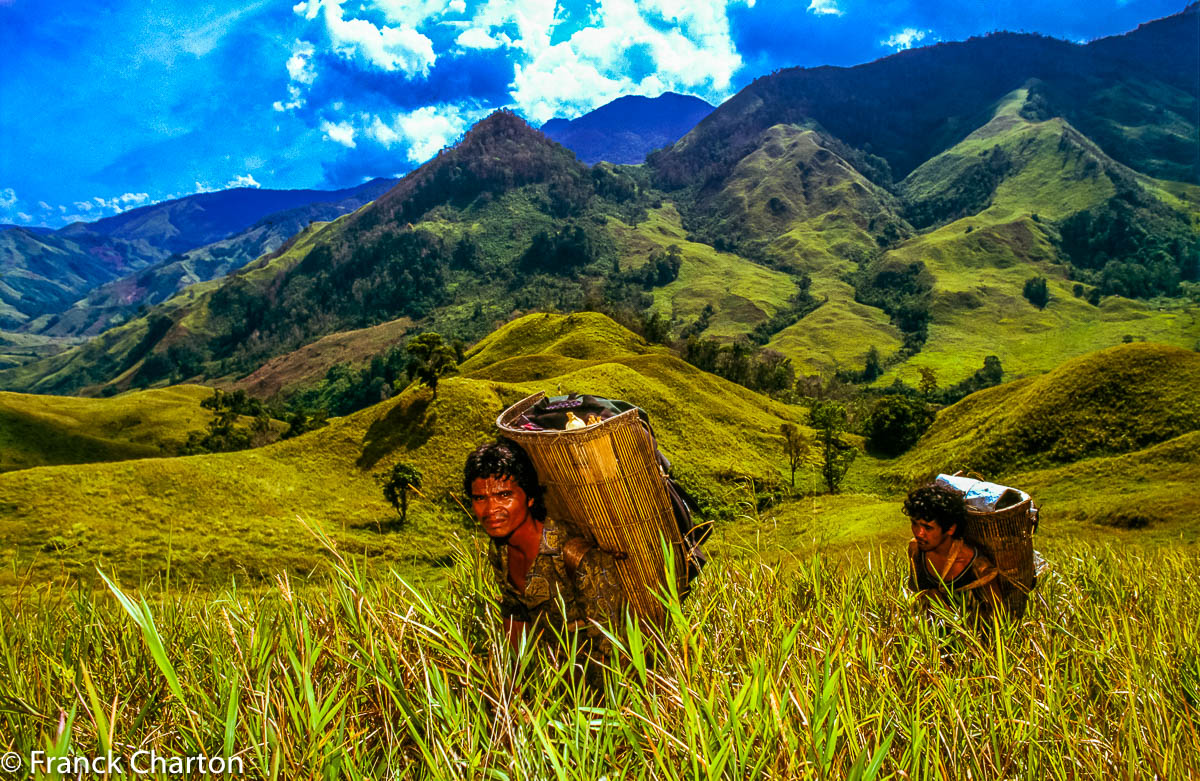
(627, 129)
(195, 220)
(43, 272)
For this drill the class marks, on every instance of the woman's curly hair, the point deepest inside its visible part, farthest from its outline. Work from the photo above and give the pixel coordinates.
(936, 502)
(505, 459)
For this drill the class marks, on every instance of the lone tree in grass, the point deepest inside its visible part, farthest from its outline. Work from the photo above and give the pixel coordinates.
(829, 419)
(795, 447)
(1037, 292)
(429, 359)
(402, 478)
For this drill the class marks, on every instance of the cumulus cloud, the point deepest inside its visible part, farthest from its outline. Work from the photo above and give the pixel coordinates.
(476, 38)
(824, 8)
(680, 46)
(121, 203)
(401, 48)
(341, 132)
(8, 198)
(411, 73)
(905, 39)
(424, 131)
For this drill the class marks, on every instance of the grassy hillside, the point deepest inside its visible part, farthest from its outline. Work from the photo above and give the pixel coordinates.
(742, 293)
(1118, 400)
(214, 515)
(312, 361)
(48, 430)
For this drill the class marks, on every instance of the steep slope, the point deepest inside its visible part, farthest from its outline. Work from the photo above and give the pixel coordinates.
(740, 292)
(44, 273)
(113, 302)
(49, 430)
(908, 107)
(236, 513)
(625, 130)
(1001, 198)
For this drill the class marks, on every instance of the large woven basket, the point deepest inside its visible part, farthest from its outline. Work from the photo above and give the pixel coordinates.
(605, 478)
(1006, 536)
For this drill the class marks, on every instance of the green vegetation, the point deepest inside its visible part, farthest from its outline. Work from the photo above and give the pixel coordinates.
(802, 668)
(430, 360)
(1036, 292)
(402, 479)
(795, 448)
(48, 430)
(896, 423)
(829, 419)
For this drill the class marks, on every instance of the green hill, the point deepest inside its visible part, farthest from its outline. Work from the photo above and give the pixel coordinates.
(48, 430)
(236, 513)
(1110, 402)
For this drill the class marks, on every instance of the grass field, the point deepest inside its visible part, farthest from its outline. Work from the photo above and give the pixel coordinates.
(778, 666)
(49, 430)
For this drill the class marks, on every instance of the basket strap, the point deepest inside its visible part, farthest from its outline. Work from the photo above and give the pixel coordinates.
(573, 551)
(981, 581)
(951, 558)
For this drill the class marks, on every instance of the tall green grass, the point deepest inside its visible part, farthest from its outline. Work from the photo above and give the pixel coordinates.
(797, 669)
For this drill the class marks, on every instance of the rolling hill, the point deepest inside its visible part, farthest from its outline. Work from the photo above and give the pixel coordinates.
(53, 430)
(236, 513)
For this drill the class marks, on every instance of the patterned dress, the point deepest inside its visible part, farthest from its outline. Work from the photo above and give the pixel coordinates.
(589, 592)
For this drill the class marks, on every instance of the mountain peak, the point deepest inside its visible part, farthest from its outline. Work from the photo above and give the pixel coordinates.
(625, 130)
(499, 153)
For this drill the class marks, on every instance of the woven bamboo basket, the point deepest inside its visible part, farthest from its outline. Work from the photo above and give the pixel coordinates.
(605, 479)
(1006, 536)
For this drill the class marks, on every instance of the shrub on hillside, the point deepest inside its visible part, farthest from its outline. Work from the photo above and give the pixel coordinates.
(896, 423)
(1036, 292)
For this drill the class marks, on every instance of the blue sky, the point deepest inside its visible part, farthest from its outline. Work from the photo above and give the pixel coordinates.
(105, 106)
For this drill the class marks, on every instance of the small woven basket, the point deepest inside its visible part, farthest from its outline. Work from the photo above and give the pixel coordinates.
(606, 479)
(1006, 536)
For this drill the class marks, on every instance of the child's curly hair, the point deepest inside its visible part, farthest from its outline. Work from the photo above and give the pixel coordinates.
(936, 502)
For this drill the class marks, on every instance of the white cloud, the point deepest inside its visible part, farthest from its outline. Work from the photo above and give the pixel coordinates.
(299, 65)
(905, 39)
(8, 198)
(342, 132)
(476, 38)
(387, 48)
(245, 180)
(25, 218)
(624, 47)
(824, 8)
(120, 203)
(426, 130)
(687, 47)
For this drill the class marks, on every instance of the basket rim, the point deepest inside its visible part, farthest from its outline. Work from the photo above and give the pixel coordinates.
(502, 421)
(976, 513)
